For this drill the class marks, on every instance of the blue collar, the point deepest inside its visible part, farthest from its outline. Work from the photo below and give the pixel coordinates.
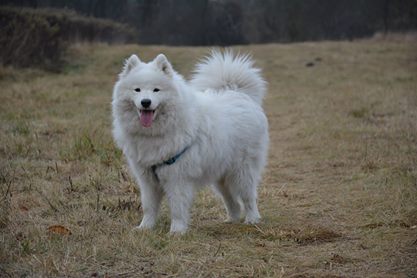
(168, 162)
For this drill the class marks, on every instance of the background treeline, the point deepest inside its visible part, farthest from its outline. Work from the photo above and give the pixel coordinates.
(40, 36)
(224, 22)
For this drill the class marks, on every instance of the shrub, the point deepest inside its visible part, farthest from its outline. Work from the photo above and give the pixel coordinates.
(40, 36)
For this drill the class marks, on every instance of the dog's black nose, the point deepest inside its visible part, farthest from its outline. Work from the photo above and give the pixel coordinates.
(145, 102)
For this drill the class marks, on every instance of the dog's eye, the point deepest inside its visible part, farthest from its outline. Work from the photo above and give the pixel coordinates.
(137, 90)
(156, 90)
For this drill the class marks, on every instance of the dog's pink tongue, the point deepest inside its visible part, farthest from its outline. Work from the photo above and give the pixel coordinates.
(146, 118)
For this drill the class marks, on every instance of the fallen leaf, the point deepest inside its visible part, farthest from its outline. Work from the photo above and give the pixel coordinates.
(58, 229)
(23, 208)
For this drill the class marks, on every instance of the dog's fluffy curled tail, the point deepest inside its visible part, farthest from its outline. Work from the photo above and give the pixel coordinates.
(226, 71)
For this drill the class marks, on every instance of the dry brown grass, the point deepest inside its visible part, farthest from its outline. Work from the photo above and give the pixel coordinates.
(338, 198)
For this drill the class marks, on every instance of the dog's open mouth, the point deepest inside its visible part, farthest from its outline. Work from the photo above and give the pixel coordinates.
(146, 117)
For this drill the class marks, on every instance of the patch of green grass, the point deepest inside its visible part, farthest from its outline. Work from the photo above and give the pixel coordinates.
(360, 113)
(82, 147)
(89, 145)
(21, 128)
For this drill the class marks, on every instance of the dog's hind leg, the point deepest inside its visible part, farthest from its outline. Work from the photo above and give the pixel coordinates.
(245, 180)
(249, 196)
(230, 200)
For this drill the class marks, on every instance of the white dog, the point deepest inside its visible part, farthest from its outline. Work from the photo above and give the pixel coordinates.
(178, 136)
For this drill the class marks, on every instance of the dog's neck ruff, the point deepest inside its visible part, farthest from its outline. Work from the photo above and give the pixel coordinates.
(168, 162)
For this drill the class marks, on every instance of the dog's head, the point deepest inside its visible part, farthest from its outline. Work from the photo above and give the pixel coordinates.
(147, 93)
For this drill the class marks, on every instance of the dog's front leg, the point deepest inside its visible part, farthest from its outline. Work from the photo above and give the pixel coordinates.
(180, 197)
(151, 196)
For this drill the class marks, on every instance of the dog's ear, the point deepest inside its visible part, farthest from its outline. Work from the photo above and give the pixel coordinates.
(130, 63)
(163, 64)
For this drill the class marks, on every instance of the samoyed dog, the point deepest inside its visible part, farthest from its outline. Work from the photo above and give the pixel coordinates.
(179, 135)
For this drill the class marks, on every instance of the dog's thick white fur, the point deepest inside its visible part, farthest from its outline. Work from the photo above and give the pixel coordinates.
(215, 122)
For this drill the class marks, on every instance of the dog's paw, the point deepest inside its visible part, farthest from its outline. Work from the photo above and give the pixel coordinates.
(178, 229)
(145, 225)
(252, 220)
(177, 234)
(233, 220)
(139, 228)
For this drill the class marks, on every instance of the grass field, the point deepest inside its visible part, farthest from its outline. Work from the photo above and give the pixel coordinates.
(338, 199)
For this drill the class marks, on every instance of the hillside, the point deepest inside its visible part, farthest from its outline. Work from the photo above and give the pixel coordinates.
(338, 198)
